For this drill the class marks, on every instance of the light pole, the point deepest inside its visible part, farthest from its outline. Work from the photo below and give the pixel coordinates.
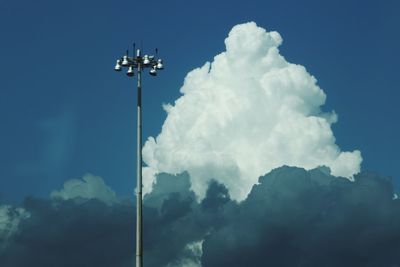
(139, 62)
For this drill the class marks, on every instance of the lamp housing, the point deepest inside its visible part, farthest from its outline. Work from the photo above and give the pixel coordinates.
(125, 61)
(130, 71)
(160, 64)
(153, 71)
(146, 60)
(118, 65)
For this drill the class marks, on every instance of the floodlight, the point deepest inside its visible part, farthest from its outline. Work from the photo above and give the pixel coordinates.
(146, 60)
(118, 65)
(125, 61)
(153, 71)
(160, 64)
(130, 71)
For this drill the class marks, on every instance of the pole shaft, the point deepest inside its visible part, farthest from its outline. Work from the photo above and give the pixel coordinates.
(139, 229)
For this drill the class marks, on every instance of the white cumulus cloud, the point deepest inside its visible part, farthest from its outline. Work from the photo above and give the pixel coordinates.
(89, 187)
(244, 114)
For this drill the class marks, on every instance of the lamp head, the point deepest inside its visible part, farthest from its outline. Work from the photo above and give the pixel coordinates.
(130, 71)
(153, 71)
(118, 65)
(146, 60)
(125, 61)
(160, 64)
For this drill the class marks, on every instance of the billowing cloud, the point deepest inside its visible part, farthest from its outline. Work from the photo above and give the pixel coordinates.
(295, 217)
(292, 217)
(243, 114)
(89, 187)
(81, 229)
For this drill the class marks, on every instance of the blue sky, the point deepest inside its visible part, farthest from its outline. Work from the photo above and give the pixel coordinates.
(64, 112)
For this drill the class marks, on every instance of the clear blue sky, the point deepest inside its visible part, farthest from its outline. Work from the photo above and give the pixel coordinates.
(64, 112)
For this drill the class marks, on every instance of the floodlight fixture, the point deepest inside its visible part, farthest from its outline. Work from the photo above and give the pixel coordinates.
(160, 64)
(125, 61)
(118, 66)
(130, 71)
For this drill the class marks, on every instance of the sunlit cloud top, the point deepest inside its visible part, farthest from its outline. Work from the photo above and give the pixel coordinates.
(243, 114)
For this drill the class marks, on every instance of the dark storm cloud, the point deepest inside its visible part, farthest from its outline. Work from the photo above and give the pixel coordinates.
(71, 233)
(82, 232)
(292, 217)
(299, 218)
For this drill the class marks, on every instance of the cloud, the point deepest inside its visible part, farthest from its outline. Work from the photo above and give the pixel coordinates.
(72, 233)
(78, 226)
(90, 187)
(10, 219)
(244, 114)
(295, 217)
(291, 217)
(195, 252)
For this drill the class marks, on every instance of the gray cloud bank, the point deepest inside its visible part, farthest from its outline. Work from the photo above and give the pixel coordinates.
(291, 217)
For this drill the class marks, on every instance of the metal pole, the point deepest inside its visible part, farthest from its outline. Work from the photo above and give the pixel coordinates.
(140, 63)
(139, 234)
